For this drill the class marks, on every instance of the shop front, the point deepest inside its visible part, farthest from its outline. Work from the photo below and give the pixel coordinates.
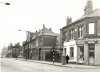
(83, 51)
(88, 51)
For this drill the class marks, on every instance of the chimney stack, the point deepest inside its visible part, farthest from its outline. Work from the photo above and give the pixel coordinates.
(88, 8)
(50, 29)
(69, 20)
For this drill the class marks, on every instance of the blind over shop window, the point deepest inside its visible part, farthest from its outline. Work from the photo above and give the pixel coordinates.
(91, 28)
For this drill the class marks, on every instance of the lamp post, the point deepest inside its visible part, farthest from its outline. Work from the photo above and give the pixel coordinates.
(26, 52)
(27, 33)
(6, 3)
(53, 54)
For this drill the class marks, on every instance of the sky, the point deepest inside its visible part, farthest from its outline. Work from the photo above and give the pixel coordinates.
(30, 15)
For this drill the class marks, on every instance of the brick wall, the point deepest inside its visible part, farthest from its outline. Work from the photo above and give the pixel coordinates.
(98, 26)
(85, 33)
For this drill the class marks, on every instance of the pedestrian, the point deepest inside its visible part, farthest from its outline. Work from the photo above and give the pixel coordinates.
(67, 58)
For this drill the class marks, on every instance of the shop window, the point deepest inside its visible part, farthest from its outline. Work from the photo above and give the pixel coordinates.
(81, 54)
(91, 53)
(91, 28)
(91, 47)
(71, 52)
(81, 51)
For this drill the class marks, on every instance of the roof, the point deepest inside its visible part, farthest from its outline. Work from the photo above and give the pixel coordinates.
(44, 31)
(95, 13)
(31, 35)
(58, 37)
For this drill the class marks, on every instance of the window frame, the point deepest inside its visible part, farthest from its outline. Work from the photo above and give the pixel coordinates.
(93, 28)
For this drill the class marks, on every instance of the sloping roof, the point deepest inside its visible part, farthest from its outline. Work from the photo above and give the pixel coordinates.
(31, 35)
(95, 13)
(58, 37)
(44, 31)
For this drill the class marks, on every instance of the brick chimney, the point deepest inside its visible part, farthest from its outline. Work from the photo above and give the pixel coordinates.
(68, 20)
(88, 8)
(50, 29)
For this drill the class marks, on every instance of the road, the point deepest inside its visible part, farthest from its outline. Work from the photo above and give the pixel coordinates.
(13, 65)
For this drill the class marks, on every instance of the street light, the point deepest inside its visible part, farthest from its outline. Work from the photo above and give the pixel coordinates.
(26, 52)
(22, 30)
(6, 3)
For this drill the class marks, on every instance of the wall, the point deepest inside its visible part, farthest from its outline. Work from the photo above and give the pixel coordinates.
(99, 26)
(71, 44)
(49, 41)
(97, 54)
(86, 53)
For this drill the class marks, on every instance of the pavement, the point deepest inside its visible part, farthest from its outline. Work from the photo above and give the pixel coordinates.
(60, 64)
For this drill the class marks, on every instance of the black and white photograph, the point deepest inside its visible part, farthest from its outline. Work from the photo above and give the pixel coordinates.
(49, 35)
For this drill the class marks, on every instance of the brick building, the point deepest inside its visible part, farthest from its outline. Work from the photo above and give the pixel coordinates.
(10, 50)
(40, 44)
(4, 52)
(14, 50)
(81, 39)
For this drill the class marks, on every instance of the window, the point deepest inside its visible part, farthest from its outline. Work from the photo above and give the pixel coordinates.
(81, 52)
(91, 53)
(66, 36)
(72, 34)
(80, 31)
(91, 50)
(91, 46)
(71, 51)
(91, 28)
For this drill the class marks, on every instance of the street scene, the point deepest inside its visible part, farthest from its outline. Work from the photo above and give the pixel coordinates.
(18, 65)
(50, 36)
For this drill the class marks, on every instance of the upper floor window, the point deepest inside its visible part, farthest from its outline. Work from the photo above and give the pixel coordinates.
(72, 34)
(66, 36)
(91, 28)
(80, 31)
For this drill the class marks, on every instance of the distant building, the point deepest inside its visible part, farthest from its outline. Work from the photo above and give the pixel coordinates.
(40, 45)
(81, 39)
(14, 50)
(10, 50)
(4, 52)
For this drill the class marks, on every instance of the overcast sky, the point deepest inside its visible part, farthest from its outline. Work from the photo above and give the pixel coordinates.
(32, 14)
